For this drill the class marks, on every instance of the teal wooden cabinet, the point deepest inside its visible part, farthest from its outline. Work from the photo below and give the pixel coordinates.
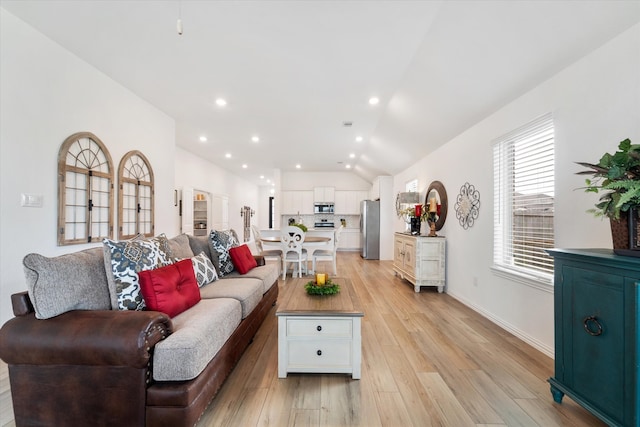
(596, 333)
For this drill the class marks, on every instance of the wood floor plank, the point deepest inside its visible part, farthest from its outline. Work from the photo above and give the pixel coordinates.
(507, 408)
(427, 359)
(392, 409)
(447, 405)
(417, 401)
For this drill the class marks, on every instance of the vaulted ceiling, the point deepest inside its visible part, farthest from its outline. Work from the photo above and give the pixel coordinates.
(299, 74)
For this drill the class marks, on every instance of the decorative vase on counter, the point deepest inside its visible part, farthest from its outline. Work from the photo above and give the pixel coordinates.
(415, 225)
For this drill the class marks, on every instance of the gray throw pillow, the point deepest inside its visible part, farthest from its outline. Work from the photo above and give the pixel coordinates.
(75, 281)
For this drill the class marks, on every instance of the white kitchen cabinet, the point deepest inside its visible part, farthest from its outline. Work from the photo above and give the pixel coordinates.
(420, 260)
(297, 202)
(347, 202)
(349, 240)
(324, 194)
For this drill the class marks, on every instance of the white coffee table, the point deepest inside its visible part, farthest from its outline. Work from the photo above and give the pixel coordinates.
(319, 333)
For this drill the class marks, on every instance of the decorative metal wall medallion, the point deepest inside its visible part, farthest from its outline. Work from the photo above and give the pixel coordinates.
(467, 205)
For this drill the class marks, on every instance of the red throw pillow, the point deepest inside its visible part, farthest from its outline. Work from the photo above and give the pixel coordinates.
(242, 258)
(171, 289)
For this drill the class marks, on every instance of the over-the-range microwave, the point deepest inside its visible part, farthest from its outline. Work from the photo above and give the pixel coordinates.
(323, 208)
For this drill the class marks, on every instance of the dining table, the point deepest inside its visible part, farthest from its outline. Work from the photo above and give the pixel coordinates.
(311, 244)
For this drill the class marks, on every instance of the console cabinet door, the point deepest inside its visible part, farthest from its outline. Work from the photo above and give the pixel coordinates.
(596, 333)
(594, 349)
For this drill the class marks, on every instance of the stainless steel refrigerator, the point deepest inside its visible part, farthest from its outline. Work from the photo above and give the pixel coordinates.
(370, 229)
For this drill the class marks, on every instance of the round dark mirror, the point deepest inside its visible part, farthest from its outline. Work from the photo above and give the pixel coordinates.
(436, 203)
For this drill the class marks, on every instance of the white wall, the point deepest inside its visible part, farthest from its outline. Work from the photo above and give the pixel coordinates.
(48, 94)
(192, 171)
(596, 104)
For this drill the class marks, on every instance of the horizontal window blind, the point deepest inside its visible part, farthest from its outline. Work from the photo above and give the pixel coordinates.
(524, 198)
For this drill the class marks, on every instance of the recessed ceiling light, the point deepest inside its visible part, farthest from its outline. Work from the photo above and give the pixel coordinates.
(244, 166)
(374, 100)
(348, 166)
(262, 177)
(352, 155)
(221, 102)
(255, 138)
(268, 181)
(228, 155)
(272, 191)
(203, 139)
(298, 166)
(359, 138)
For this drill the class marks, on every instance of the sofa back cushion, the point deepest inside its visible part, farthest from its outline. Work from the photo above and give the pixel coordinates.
(75, 281)
(201, 244)
(171, 289)
(242, 258)
(180, 248)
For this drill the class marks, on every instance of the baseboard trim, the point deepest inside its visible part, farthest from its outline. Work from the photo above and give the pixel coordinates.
(549, 351)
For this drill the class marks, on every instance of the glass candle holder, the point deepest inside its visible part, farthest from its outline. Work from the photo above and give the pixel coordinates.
(321, 279)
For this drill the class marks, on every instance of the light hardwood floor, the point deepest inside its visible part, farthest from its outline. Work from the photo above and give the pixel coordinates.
(427, 360)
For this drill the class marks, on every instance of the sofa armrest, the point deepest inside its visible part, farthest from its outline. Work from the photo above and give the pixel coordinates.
(90, 337)
(260, 260)
(21, 304)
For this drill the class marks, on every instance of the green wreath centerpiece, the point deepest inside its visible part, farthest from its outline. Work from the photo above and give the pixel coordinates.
(329, 288)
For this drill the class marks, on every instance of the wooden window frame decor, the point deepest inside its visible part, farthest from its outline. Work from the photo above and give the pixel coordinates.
(85, 190)
(135, 196)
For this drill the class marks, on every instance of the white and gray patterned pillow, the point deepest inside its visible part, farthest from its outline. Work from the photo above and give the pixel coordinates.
(203, 269)
(124, 260)
(221, 242)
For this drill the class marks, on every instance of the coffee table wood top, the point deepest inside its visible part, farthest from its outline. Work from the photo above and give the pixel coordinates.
(296, 301)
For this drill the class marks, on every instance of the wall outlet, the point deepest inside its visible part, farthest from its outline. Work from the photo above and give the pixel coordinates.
(31, 200)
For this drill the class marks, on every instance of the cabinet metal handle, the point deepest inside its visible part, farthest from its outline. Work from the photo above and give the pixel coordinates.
(592, 326)
(319, 352)
(319, 328)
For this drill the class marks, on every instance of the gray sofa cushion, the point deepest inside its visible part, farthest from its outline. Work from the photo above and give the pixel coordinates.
(201, 244)
(179, 247)
(267, 273)
(246, 290)
(198, 335)
(75, 281)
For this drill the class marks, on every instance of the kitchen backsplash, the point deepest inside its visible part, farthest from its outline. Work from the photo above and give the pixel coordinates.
(352, 221)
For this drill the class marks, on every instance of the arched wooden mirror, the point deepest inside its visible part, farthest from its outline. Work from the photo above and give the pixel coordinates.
(437, 192)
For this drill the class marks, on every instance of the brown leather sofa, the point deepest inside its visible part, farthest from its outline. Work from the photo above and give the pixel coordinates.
(94, 367)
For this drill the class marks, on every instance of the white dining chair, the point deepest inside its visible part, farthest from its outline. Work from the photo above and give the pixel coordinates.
(328, 254)
(292, 238)
(268, 253)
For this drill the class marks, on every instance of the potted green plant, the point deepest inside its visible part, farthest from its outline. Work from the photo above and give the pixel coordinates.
(616, 177)
(300, 226)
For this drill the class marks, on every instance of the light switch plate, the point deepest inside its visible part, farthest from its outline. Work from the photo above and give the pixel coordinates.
(31, 200)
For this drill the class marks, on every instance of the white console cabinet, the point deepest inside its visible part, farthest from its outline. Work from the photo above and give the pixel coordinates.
(420, 260)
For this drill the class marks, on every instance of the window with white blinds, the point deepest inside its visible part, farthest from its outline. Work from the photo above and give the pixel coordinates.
(523, 165)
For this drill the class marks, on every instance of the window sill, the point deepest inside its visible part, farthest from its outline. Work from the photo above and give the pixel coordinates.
(536, 282)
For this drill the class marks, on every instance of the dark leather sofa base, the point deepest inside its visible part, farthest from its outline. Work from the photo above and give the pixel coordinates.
(176, 404)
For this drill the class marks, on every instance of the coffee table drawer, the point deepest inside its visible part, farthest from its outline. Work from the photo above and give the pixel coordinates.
(338, 328)
(319, 353)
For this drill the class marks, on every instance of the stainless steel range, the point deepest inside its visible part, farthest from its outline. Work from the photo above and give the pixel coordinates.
(324, 224)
